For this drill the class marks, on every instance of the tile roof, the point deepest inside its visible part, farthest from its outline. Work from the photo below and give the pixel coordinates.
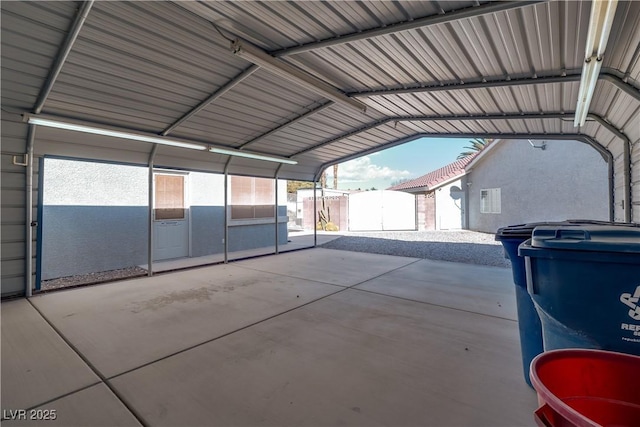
(438, 176)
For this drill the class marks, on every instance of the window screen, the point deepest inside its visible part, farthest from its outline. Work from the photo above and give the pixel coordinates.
(490, 201)
(252, 197)
(169, 197)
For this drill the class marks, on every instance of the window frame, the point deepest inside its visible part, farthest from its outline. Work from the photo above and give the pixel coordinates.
(243, 213)
(490, 201)
(173, 213)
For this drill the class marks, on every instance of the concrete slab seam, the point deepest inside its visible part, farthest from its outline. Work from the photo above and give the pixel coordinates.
(333, 284)
(382, 274)
(46, 402)
(432, 304)
(191, 347)
(292, 277)
(342, 289)
(135, 414)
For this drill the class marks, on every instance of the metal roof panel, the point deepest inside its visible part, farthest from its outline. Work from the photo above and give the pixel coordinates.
(143, 65)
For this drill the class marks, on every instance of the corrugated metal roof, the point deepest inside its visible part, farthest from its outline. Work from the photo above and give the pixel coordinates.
(145, 65)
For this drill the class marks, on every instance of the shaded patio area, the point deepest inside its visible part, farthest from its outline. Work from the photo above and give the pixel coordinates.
(314, 337)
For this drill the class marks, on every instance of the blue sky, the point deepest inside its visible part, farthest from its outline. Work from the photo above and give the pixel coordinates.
(409, 160)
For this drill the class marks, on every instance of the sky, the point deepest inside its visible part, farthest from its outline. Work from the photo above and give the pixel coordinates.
(407, 161)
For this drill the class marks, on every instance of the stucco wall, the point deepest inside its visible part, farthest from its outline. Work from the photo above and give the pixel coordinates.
(95, 217)
(207, 230)
(88, 239)
(256, 235)
(566, 180)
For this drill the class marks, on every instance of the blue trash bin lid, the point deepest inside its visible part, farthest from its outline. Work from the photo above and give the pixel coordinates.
(524, 231)
(595, 238)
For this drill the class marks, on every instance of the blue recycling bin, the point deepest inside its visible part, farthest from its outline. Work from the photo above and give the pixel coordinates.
(529, 324)
(585, 283)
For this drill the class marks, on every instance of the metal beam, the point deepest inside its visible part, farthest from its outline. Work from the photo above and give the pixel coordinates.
(626, 182)
(275, 179)
(604, 152)
(469, 12)
(518, 116)
(621, 84)
(569, 77)
(610, 75)
(343, 136)
(292, 74)
(226, 209)
(574, 136)
(315, 211)
(432, 118)
(65, 49)
(634, 60)
(626, 164)
(151, 191)
(608, 157)
(287, 124)
(610, 127)
(217, 94)
(31, 137)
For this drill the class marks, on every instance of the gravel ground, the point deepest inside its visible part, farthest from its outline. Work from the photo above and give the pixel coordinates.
(458, 246)
(92, 278)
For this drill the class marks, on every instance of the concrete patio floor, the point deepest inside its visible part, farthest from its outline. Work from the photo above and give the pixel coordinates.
(296, 241)
(317, 337)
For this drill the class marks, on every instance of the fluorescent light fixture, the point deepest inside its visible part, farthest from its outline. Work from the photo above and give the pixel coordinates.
(292, 74)
(59, 124)
(590, 73)
(250, 155)
(600, 22)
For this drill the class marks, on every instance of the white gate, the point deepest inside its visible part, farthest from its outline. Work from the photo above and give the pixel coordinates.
(450, 205)
(382, 210)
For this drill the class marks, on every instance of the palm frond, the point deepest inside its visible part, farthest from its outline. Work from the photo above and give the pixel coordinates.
(477, 145)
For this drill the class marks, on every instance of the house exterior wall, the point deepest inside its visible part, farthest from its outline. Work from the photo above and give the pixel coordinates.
(207, 213)
(95, 218)
(426, 211)
(420, 211)
(207, 219)
(430, 211)
(566, 180)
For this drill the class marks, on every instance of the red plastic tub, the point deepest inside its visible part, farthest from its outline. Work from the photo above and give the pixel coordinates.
(586, 388)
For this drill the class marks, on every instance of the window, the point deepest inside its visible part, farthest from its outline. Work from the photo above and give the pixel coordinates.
(490, 201)
(252, 197)
(169, 197)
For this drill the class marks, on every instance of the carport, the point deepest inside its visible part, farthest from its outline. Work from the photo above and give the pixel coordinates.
(217, 87)
(283, 90)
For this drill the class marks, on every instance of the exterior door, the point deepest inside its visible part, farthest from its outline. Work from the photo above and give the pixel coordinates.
(171, 217)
